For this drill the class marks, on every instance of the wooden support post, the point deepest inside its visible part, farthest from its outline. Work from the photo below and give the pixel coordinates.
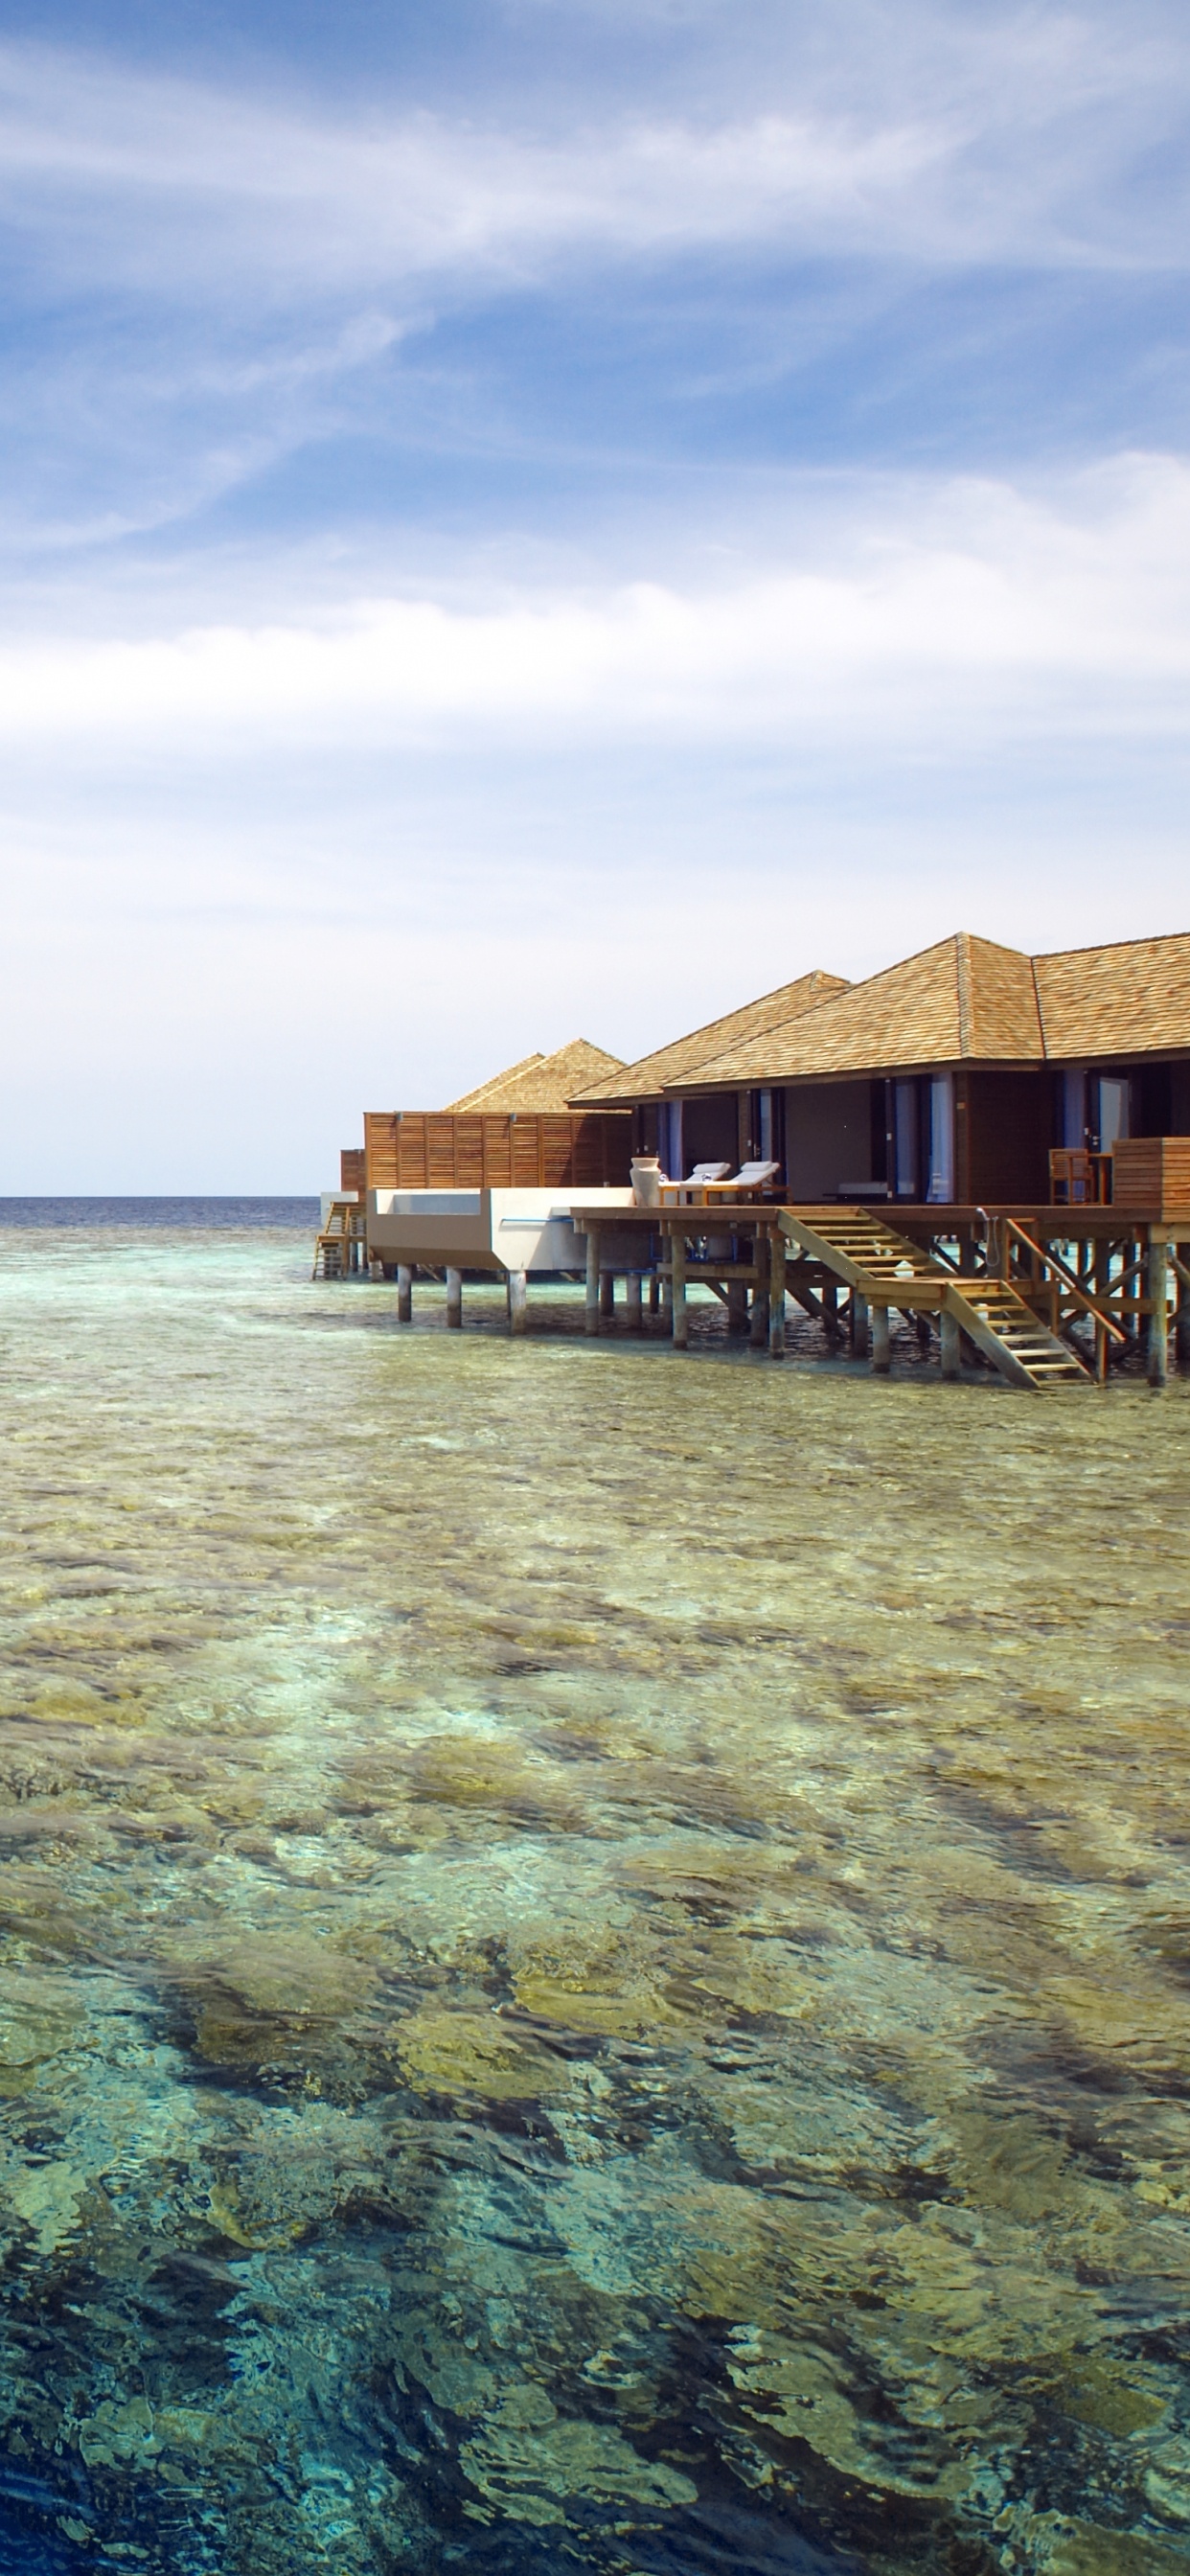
(518, 1301)
(759, 1332)
(454, 1297)
(859, 1325)
(737, 1306)
(830, 1308)
(592, 1316)
(776, 1295)
(654, 1292)
(949, 1332)
(404, 1293)
(880, 1357)
(1158, 1287)
(677, 1248)
(632, 1301)
(1181, 1329)
(607, 1295)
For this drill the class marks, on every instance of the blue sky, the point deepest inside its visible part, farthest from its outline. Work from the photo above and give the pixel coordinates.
(552, 518)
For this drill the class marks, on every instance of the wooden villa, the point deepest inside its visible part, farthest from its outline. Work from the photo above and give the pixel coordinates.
(995, 1144)
(946, 1080)
(483, 1186)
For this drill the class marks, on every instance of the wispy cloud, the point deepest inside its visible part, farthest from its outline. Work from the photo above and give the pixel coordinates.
(1019, 138)
(433, 539)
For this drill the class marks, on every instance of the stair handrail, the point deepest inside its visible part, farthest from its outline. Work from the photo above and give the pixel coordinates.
(990, 1241)
(1052, 1261)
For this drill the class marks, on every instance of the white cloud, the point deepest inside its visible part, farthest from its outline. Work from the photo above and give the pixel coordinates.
(970, 605)
(476, 789)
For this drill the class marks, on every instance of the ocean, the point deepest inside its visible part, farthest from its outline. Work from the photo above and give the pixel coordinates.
(596, 1945)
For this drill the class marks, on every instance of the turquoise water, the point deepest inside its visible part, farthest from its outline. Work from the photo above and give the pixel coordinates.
(596, 1944)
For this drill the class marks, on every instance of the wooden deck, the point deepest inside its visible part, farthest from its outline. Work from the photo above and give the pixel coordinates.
(1042, 1294)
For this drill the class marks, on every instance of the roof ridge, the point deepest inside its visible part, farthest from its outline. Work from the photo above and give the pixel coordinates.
(1099, 947)
(842, 983)
(658, 1063)
(962, 941)
(770, 1026)
(1045, 1046)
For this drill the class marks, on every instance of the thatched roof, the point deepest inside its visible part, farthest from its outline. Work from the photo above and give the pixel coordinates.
(542, 1083)
(964, 999)
(669, 1066)
(1130, 999)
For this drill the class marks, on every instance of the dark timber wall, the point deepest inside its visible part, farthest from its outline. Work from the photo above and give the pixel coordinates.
(1003, 1136)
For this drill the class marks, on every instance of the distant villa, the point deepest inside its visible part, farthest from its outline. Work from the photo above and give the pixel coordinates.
(1027, 1119)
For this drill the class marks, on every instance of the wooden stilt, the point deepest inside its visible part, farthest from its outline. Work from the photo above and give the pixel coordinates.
(830, 1308)
(1181, 1329)
(607, 1295)
(518, 1301)
(404, 1293)
(777, 1295)
(737, 1307)
(949, 1331)
(1158, 1289)
(454, 1297)
(677, 1247)
(654, 1292)
(592, 1317)
(632, 1301)
(859, 1325)
(881, 1362)
(759, 1331)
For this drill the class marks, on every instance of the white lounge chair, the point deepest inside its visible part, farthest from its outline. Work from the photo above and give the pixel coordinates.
(748, 1182)
(700, 1178)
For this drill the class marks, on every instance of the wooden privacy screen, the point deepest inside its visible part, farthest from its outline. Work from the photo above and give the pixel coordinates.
(352, 1175)
(438, 1150)
(1151, 1174)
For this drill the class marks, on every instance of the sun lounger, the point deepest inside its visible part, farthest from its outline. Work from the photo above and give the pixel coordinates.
(750, 1182)
(699, 1179)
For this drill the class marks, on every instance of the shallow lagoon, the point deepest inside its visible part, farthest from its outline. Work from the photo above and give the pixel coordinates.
(596, 1945)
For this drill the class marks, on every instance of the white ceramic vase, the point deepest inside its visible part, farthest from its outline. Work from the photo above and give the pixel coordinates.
(645, 1175)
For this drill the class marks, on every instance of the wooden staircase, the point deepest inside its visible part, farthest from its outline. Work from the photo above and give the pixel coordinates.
(862, 1249)
(887, 1269)
(1007, 1331)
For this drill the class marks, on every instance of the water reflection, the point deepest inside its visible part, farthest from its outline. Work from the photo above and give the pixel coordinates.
(595, 1947)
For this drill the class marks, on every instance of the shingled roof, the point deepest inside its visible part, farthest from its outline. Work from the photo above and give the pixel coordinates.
(669, 1066)
(542, 1084)
(966, 999)
(1130, 999)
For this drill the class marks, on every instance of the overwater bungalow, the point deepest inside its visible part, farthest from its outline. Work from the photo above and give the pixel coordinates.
(995, 1145)
(948, 1079)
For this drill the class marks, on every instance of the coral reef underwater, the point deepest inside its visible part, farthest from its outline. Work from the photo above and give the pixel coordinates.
(595, 1947)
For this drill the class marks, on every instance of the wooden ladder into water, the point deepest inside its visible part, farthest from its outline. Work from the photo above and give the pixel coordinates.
(341, 1245)
(888, 1270)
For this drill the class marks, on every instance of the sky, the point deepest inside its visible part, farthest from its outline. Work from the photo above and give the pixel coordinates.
(534, 518)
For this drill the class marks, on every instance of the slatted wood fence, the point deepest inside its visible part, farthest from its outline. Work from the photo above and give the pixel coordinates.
(1152, 1174)
(443, 1149)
